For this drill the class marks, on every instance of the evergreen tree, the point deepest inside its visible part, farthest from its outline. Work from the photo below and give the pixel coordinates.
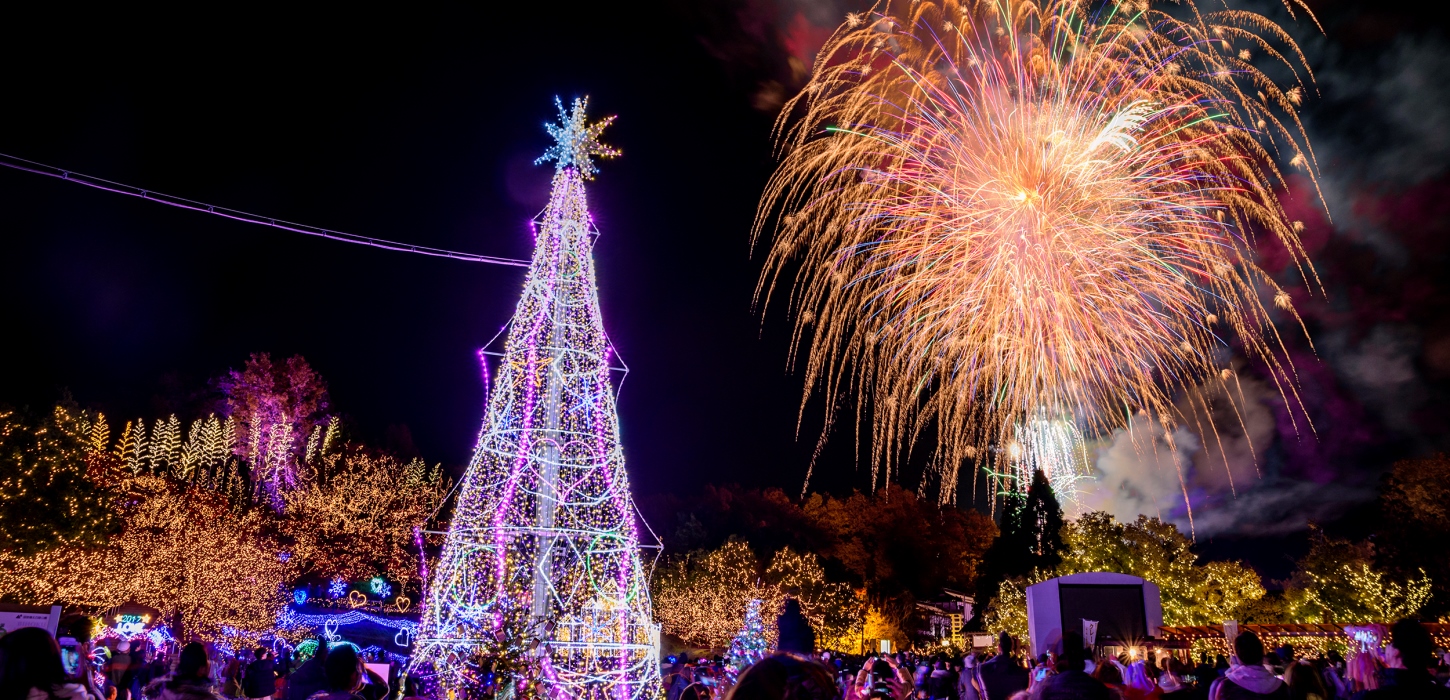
(1042, 523)
(100, 435)
(1030, 538)
(126, 443)
(213, 447)
(193, 453)
(750, 645)
(45, 498)
(165, 445)
(136, 454)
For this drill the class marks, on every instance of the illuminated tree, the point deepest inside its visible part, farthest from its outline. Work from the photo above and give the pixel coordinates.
(359, 522)
(1008, 610)
(1337, 581)
(183, 551)
(750, 644)
(834, 609)
(193, 451)
(46, 499)
(701, 597)
(1156, 551)
(99, 435)
(1415, 515)
(274, 406)
(132, 447)
(540, 572)
(125, 444)
(165, 454)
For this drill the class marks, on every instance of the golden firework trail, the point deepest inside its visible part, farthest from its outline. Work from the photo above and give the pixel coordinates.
(992, 210)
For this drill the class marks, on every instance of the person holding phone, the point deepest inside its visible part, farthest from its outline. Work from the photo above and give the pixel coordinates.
(882, 678)
(33, 668)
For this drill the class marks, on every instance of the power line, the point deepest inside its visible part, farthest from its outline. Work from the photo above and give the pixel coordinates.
(31, 166)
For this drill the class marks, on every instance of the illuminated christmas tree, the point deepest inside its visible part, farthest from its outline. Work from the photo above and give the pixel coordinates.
(540, 581)
(750, 645)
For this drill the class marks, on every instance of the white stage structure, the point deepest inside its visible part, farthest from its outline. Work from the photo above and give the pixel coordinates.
(1128, 610)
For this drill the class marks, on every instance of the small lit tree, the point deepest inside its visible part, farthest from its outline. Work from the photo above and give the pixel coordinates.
(749, 645)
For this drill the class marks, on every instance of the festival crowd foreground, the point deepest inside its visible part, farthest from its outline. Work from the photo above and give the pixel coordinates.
(1411, 668)
(33, 666)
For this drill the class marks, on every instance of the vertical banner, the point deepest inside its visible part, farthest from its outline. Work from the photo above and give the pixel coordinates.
(1089, 633)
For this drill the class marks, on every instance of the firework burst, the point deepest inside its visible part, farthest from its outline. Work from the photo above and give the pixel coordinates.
(988, 211)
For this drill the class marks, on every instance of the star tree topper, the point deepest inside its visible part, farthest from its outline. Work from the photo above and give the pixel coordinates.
(575, 141)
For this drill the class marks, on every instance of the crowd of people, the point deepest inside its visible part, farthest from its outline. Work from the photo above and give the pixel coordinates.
(1410, 668)
(34, 666)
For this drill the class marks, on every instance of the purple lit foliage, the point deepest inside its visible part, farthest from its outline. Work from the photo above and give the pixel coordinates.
(276, 407)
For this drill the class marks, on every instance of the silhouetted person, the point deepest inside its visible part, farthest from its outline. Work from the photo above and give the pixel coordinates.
(311, 677)
(1408, 660)
(191, 681)
(1002, 674)
(31, 668)
(1071, 682)
(794, 630)
(260, 679)
(785, 677)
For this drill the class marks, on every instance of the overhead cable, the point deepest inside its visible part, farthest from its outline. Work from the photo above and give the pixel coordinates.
(30, 166)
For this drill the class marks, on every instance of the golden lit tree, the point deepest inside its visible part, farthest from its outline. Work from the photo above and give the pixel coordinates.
(359, 520)
(1337, 581)
(46, 498)
(184, 551)
(702, 597)
(834, 609)
(1008, 610)
(1157, 551)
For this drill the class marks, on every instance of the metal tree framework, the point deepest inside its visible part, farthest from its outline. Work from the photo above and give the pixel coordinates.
(540, 578)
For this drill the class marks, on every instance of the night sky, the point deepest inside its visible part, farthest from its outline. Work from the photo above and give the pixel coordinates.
(422, 127)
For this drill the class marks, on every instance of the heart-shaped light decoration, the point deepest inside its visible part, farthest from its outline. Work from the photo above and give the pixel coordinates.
(403, 603)
(356, 598)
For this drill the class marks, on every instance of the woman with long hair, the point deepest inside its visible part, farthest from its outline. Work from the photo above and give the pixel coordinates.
(31, 668)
